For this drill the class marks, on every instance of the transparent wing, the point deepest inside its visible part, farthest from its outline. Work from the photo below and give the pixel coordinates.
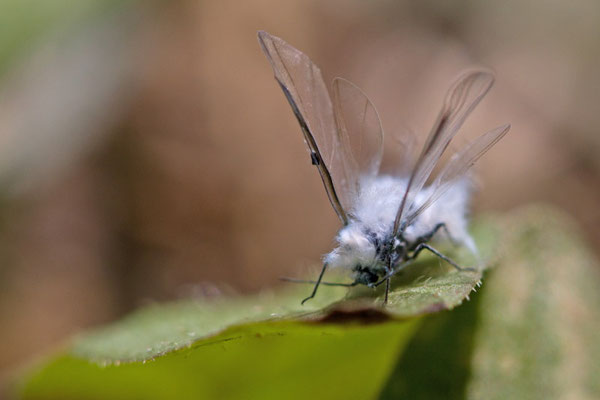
(302, 82)
(359, 129)
(462, 97)
(405, 144)
(458, 166)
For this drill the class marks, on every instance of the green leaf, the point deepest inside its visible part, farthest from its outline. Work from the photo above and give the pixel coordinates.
(24, 23)
(436, 363)
(540, 314)
(531, 332)
(289, 360)
(342, 344)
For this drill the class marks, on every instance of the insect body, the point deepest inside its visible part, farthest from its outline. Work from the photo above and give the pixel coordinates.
(388, 220)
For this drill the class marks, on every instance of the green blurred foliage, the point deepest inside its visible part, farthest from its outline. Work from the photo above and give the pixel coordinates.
(437, 361)
(24, 22)
(262, 361)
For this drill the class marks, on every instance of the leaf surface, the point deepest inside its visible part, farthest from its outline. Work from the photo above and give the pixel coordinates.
(342, 344)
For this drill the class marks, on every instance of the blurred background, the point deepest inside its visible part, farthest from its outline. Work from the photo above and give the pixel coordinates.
(147, 154)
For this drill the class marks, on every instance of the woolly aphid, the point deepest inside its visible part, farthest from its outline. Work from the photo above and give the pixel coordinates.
(387, 220)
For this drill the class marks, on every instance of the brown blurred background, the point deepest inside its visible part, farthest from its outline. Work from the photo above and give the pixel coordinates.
(147, 154)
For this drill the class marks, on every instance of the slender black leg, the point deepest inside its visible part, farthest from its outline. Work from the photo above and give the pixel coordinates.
(392, 272)
(423, 246)
(387, 289)
(452, 240)
(388, 280)
(314, 292)
(420, 247)
(427, 237)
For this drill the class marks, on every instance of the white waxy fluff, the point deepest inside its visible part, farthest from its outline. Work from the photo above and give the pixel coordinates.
(374, 212)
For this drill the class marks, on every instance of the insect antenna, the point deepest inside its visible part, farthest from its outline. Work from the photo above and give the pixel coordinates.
(294, 280)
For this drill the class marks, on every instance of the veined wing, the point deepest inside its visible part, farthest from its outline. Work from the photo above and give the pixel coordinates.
(458, 166)
(405, 144)
(359, 129)
(302, 83)
(462, 97)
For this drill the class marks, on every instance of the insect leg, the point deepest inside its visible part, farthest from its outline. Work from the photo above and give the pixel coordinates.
(387, 288)
(423, 246)
(388, 279)
(450, 237)
(393, 271)
(427, 237)
(314, 292)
